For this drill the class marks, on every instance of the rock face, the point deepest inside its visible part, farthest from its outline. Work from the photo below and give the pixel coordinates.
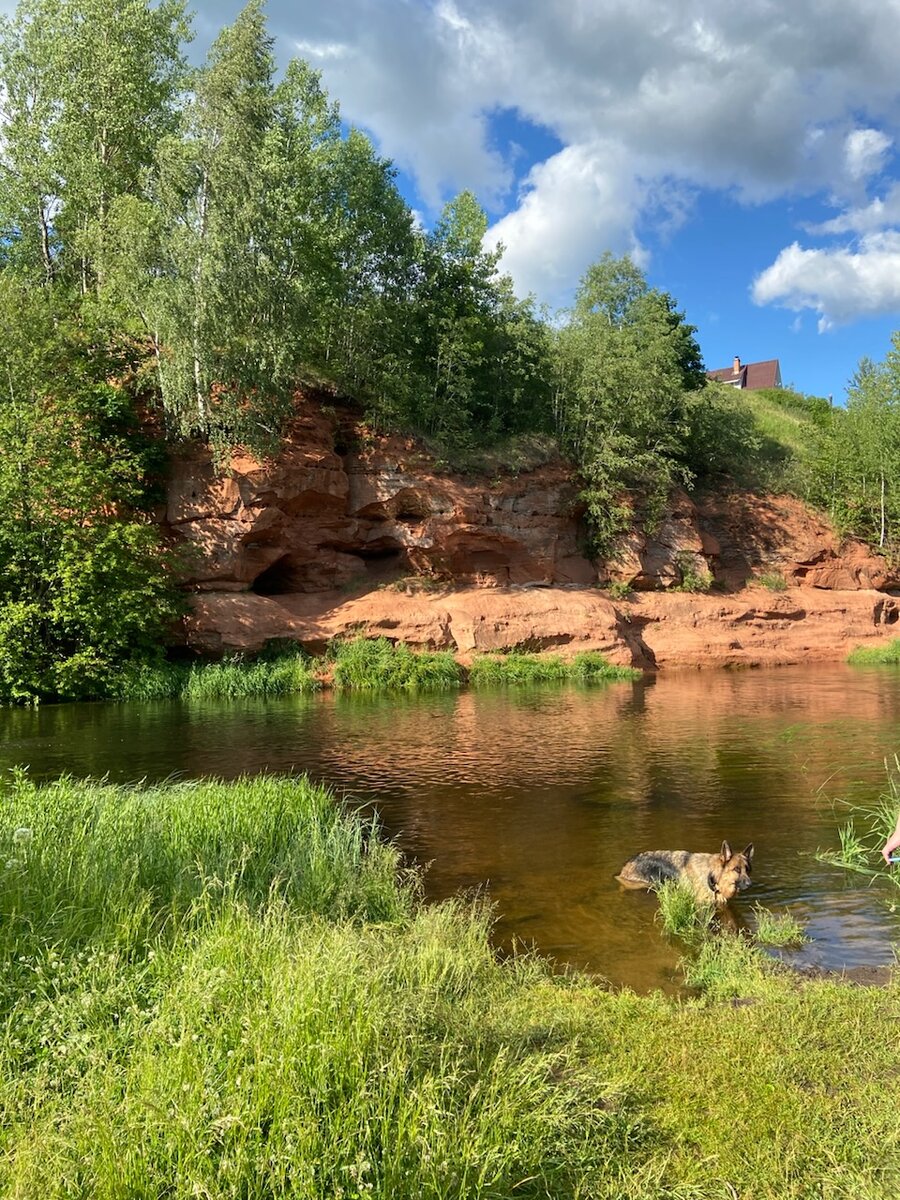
(736, 537)
(328, 513)
(652, 630)
(319, 541)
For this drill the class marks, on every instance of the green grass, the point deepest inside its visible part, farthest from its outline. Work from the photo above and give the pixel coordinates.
(773, 580)
(375, 664)
(356, 664)
(869, 826)
(679, 912)
(516, 668)
(777, 929)
(226, 679)
(235, 990)
(885, 655)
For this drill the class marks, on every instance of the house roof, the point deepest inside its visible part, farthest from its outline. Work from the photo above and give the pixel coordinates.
(766, 374)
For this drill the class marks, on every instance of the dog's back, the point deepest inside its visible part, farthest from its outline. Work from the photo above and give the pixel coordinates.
(713, 878)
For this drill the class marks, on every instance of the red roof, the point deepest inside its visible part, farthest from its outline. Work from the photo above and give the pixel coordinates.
(751, 376)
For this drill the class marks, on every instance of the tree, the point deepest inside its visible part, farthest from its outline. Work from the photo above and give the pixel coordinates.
(85, 587)
(625, 364)
(88, 89)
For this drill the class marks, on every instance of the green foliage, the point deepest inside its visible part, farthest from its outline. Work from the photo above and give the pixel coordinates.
(626, 364)
(887, 654)
(619, 590)
(85, 586)
(694, 576)
(857, 474)
(366, 664)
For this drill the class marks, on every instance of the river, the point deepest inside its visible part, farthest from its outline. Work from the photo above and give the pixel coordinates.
(540, 794)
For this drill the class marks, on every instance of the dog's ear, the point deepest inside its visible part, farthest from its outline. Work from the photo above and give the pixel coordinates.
(726, 852)
(748, 853)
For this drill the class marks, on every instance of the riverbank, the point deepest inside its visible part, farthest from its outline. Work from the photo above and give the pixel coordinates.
(358, 665)
(753, 627)
(223, 989)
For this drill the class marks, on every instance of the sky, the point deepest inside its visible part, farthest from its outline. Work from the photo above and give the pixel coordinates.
(746, 154)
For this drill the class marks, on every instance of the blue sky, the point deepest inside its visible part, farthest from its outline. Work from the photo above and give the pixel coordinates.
(746, 154)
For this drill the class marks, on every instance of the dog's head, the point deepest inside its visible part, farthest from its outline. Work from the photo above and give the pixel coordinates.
(730, 873)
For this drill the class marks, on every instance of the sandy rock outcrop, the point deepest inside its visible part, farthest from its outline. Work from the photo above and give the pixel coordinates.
(652, 630)
(338, 507)
(316, 543)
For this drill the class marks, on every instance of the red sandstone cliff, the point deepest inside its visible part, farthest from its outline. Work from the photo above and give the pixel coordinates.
(319, 540)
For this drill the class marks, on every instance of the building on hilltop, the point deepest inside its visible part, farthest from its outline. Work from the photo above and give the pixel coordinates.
(749, 376)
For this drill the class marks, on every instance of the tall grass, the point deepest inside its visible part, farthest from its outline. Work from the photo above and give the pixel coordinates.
(680, 913)
(234, 990)
(228, 990)
(778, 929)
(885, 655)
(375, 664)
(517, 668)
(356, 664)
(230, 678)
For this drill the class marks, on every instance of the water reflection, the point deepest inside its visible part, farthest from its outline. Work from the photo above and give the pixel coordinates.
(543, 793)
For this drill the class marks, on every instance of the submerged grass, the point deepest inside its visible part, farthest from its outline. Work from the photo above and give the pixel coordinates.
(234, 990)
(885, 655)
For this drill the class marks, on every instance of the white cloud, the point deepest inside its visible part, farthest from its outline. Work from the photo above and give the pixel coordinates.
(865, 151)
(867, 218)
(574, 206)
(840, 284)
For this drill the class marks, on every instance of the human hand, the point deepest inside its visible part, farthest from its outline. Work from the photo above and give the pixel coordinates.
(890, 846)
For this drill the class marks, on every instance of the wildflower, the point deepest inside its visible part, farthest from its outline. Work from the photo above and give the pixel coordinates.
(23, 836)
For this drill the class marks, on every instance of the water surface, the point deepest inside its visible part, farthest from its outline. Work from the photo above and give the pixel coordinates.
(541, 794)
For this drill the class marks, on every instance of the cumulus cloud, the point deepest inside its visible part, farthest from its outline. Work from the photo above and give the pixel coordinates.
(840, 284)
(574, 206)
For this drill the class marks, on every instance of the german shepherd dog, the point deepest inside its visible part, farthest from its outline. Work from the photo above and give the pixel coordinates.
(713, 878)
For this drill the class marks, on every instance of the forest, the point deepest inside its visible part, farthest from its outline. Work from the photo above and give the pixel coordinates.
(184, 247)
